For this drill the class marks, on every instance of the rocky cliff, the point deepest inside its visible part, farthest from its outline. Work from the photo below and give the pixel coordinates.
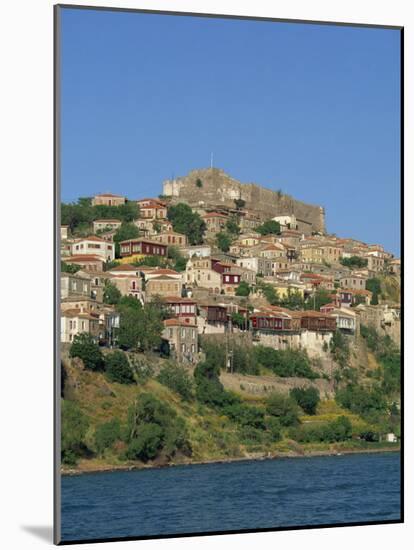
(213, 187)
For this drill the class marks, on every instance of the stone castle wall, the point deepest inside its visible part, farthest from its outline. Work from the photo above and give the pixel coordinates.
(218, 188)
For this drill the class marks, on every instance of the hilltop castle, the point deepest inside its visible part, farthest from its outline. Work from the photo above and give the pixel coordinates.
(212, 188)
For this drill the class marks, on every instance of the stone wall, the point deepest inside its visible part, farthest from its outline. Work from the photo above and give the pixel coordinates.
(219, 189)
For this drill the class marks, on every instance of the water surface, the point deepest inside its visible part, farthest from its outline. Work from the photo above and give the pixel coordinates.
(232, 496)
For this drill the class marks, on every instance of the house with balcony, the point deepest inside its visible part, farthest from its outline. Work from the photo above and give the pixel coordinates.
(142, 247)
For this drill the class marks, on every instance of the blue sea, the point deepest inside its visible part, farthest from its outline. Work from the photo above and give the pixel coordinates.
(285, 492)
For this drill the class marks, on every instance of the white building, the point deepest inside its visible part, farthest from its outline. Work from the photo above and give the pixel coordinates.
(94, 246)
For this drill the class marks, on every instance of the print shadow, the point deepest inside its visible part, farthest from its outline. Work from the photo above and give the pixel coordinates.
(43, 532)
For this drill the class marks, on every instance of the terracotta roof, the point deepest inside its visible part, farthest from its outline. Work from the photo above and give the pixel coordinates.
(124, 267)
(109, 195)
(176, 299)
(83, 258)
(214, 215)
(108, 220)
(161, 277)
(311, 313)
(362, 292)
(91, 238)
(178, 322)
(142, 240)
(165, 271)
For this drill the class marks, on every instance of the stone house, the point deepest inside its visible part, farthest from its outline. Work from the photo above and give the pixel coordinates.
(106, 225)
(182, 338)
(73, 322)
(312, 254)
(72, 284)
(163, 285)
(375, 263)
(171, 238)
(128, 285)
(88, 262)
(215, 221)
(353, 282)
(256, 264)
(152, 209)
(108, 199)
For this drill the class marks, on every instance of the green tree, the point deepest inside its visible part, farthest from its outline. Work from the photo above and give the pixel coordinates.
(284, 408)
(232, 226)
(154, 426)
(294, 300)
(354, 262)
(111, 294)
(85, 347)
(199, 183)
(117, 368)
(223, 241)
(179, 261)
(243, 289)
(340, 348)
(185, 221)
(238, 320)
(74, 424)
(139, 329)
(239, 203)
(69, 268)
(107, 434)
(374, 285)
(146, 444)
(269, 227)
(306, 398)
(319, 298)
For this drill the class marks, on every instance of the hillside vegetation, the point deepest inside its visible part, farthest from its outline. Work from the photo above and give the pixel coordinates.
(139, 409)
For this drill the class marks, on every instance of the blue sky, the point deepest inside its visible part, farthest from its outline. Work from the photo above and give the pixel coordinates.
(309, 109)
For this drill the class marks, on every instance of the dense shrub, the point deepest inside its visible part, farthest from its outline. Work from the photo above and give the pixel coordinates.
(285, 362)
(284, 408)
(389, 357)
(85, 347)
(246, 415)
(107, 434)
(118, 369)
(274, 428)
(340, 348)
(362, 400)
(244, 357)
(74, 424)
(339, 429)
(306, 398)
(177, 379)
(243, 289)
(154, 427)
(354, 262)
(111, 294)
(146, 444)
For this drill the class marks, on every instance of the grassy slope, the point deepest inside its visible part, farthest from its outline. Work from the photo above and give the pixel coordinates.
(213, 437)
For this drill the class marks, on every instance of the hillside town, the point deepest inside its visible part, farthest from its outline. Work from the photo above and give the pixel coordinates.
(285, 283)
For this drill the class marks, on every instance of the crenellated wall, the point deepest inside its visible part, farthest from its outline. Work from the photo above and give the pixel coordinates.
(219, 189)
